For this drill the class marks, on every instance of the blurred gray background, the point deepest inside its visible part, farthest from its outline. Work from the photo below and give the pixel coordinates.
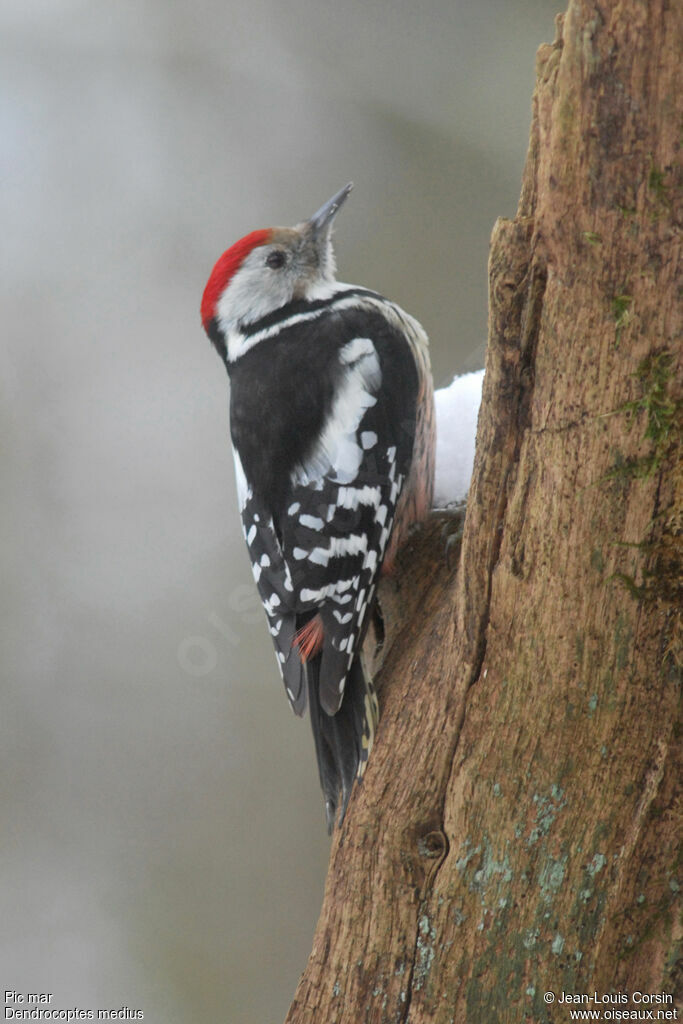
(163, 841)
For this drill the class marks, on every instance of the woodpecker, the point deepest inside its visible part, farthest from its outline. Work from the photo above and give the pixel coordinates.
(332, 424)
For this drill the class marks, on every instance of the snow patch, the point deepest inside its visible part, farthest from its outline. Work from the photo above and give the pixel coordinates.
(457, 410)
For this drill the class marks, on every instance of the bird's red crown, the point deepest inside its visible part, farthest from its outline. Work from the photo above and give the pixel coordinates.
(225, 268)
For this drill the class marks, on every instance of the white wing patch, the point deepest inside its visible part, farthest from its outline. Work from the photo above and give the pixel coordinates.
(338, 454)
(356, 350)
(243, 489)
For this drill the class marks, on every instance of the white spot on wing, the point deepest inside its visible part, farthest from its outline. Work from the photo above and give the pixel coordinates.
(370, 561)
(339, 547)
(320, 556)
(354, 544)
(331, 590)
(352, 497)
(312, 522)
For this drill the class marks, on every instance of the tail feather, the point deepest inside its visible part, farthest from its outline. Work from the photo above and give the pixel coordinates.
(342, 741)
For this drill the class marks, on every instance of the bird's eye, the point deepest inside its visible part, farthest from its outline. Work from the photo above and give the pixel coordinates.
(276, 259)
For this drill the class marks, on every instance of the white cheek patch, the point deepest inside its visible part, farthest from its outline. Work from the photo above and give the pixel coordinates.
(338, 454)
(251, 294)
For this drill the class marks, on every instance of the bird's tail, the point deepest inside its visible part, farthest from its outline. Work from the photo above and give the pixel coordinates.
(343, 741)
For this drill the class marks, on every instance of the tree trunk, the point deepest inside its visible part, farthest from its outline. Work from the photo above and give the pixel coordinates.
(517, 830)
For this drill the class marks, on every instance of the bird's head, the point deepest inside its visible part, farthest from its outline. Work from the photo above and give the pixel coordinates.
(267, 269)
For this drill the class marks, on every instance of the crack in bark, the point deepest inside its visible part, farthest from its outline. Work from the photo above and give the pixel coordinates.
(563, 428)
(519, 415)
(411, 974)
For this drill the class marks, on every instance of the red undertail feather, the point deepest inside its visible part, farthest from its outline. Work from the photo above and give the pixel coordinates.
(309, 639)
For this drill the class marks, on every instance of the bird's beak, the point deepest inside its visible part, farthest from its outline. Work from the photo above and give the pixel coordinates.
(321, 221)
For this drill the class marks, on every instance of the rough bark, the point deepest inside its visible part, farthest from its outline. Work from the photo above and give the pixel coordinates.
(518, 828)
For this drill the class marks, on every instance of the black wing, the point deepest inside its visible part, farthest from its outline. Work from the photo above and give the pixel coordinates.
(320, 550)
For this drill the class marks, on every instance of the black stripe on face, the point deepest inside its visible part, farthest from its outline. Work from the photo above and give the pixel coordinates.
(298, 306)
(216, 338)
